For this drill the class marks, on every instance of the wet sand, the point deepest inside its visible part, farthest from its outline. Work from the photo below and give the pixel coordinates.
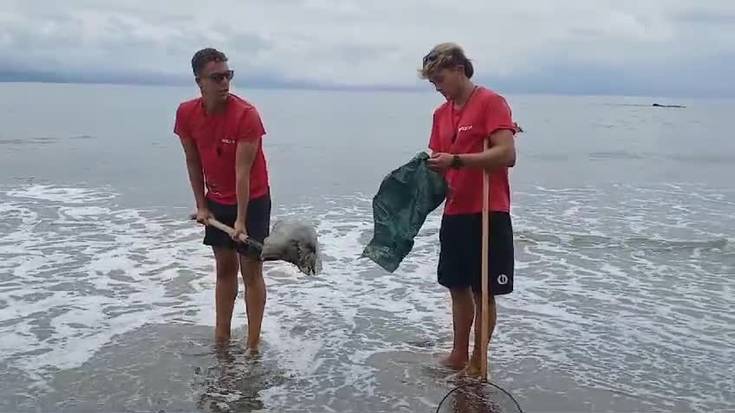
(175, 368)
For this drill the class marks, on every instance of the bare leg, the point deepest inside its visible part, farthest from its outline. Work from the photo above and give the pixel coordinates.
(225, 291)
(462, 313)
(255, 295)
(474, 366)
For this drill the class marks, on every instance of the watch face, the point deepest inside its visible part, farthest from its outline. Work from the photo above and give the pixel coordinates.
(456, 162)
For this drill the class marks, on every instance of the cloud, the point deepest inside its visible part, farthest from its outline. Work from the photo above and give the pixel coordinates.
(561, 46)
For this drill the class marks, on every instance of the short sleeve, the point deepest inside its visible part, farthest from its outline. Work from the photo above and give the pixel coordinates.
(434, 143)
(181, 124)
(498, 115)
(251, 127)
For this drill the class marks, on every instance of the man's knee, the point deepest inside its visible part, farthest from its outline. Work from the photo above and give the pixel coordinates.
(226, 263)
(461, 293)
(227, 273)
(478, 298)
(252, 269)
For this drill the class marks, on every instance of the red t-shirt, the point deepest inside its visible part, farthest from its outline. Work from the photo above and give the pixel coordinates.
(216, 137)
(484, 113)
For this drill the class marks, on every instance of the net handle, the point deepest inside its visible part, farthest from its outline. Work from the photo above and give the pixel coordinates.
(485, 319)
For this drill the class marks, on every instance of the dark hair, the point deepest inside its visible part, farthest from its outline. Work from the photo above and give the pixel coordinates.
(446, 56)
(204, 56)
(469, 70)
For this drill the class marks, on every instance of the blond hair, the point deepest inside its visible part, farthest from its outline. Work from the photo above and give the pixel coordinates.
(445, 56)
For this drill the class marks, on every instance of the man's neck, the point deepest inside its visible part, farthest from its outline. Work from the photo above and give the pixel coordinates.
(464, 96)
(214, 106)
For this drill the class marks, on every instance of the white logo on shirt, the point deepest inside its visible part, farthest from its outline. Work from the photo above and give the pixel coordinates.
(464, 128)
(225, 140)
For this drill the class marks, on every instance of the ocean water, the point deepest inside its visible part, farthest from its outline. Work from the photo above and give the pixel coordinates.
(625, 254)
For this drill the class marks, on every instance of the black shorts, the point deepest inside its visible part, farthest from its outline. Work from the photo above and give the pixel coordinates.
(460, 257)
(258, 224)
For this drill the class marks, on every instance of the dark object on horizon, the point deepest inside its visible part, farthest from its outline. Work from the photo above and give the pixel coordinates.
(658, 105)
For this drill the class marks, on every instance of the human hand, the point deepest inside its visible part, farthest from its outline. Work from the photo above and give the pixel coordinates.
(202, 216)
(240, 230)
(440, 161)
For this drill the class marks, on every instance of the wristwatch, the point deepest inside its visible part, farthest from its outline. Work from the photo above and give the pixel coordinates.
(456, 162)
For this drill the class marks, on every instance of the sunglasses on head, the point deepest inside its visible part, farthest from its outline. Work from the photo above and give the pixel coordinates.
(431, 57)
(218, 77)
(434, 55)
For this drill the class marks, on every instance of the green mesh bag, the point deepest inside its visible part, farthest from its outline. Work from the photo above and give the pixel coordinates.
(405, 198)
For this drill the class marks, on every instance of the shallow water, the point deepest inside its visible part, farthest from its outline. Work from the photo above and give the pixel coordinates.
(624, 286)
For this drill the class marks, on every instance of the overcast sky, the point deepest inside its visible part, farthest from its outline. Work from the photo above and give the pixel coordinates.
(654, 47)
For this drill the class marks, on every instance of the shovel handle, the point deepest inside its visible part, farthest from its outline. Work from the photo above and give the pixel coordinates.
(231, 231)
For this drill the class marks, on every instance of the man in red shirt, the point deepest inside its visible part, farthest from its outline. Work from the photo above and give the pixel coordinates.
(222, 139)
(461, 125)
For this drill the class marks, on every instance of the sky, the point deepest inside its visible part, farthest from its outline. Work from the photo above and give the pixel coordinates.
(623, 47)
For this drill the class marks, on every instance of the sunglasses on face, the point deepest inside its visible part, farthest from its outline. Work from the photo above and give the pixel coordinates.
(218, 77)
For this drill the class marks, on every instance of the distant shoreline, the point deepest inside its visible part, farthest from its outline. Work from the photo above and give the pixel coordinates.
(654, 98)
(257, 85)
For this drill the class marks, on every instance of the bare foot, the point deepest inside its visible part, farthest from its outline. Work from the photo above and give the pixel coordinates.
(221, 340)
(252, 354)
(473, 370)
(454, 362)
(253, 347)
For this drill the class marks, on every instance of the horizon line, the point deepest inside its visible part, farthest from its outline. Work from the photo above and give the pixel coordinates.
(348, 88)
